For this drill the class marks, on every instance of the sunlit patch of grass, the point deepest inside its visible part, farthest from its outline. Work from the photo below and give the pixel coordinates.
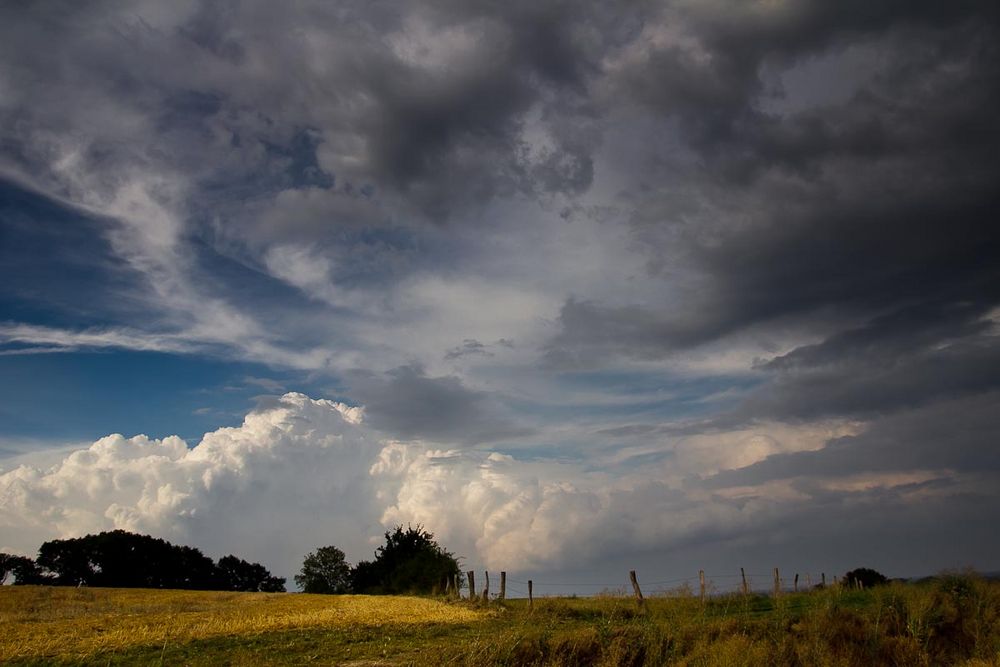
(77, 622)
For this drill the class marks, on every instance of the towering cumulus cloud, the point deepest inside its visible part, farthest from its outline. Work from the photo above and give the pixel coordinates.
(299, 473)
(270, 487)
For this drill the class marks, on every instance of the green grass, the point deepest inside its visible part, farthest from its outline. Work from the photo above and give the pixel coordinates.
(952, 620)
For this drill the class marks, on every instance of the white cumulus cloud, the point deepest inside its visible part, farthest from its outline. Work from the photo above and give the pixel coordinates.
(268, 489)
(300, 473)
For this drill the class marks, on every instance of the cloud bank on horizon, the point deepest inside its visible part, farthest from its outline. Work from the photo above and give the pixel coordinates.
(299, 467)
(667, 278)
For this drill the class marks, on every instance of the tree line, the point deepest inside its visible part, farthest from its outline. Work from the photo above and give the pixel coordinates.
(121, 559)
(410, 561)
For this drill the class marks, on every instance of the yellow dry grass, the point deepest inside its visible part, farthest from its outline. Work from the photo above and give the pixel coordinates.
(42, 621)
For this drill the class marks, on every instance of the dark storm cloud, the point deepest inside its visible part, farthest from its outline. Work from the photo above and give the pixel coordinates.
(891, 190)
(448, 137)
(885, 528)
(906, 360)
(856, 391)
(844, 211)
(850, 208)
(909, 359)
(430, 137)
(885, 339)
(227, 92)
(123, 94)
(713, 87)
(468, 347)
(409, 404)
(561, 43)
(590, 331)
(954, 434)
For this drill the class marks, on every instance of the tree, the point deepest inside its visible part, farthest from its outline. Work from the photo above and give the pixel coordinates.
(325, 571)
(127, 560)
(24, 570)
(236, 574)
(6, 566)
(866, 576)
(122, 559)
(68, 561)
(411, 561)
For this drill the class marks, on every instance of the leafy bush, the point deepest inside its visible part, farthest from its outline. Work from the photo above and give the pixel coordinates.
(865, 576)
(410, 561)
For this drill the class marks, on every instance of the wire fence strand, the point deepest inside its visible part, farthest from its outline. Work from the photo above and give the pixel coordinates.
(805, 580)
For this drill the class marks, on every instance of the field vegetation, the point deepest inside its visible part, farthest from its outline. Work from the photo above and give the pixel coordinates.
(133, 625)
(950, 620)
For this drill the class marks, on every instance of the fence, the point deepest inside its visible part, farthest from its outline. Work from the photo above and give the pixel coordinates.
(706, 585)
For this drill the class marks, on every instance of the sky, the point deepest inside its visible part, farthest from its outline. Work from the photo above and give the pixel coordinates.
(579, 287)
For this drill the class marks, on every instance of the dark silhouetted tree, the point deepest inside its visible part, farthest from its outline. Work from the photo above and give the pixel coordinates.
(68, 562)
(6, 566)
(325, 571)
(410, 561)
(236, 574)
(23, 569)
(365, 578)
(866, 576)
(126, 560)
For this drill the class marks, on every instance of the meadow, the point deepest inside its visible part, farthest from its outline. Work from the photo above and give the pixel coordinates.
(950, 620)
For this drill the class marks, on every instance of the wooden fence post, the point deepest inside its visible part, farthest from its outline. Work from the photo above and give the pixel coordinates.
(777, 583)
(795, 585)
(503, 585)
(701, 583)
(635, 588)
(486, 590)
(743, 576)
(531, 600)
(822, 579)
(472, 585)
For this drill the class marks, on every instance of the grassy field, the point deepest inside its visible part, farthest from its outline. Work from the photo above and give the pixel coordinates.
(952, 620)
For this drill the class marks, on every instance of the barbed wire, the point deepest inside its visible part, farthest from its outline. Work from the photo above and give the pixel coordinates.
(624, 583)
